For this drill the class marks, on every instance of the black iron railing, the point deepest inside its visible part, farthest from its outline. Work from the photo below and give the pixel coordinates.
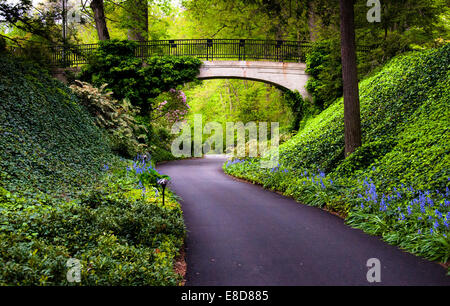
(205, 49)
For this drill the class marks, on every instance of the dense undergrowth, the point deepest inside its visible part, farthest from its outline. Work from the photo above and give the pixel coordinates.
(397, 184)
(64, 194)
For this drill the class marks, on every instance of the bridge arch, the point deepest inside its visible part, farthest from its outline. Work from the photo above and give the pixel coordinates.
(290, 76)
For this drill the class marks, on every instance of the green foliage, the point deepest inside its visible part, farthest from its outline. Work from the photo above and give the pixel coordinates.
(242, 101)
(49, 142)
(298, 106)
(397, 183)
(146, 173)
(280, 19)
(364, 156)
(64, 194)
(114, 64)
(113, 116)
(120, 236)
(324, 66)
(392, 101)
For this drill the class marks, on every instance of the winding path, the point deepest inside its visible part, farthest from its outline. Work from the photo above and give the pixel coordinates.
(241, 234)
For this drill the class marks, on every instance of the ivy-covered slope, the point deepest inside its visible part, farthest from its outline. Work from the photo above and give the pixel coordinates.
(405, 117)
(47, 141)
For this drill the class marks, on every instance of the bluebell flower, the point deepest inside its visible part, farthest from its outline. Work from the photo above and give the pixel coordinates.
(422, 208)
(409, 210)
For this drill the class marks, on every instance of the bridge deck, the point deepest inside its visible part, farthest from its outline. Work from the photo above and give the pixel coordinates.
(205, 49)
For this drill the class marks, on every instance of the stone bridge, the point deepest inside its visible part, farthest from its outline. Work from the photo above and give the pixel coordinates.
(277, 62)
(290, 76)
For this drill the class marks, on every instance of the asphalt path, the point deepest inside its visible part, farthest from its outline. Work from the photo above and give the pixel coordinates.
(240, 234)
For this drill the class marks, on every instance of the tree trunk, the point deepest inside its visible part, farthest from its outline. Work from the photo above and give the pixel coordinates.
(352, 120)
(312, 21)
(100, 20)
(139, 14)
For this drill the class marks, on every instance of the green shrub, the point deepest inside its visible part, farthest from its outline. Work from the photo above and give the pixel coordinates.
(117, 118)
(364, 156)
(121, 236)
(114, 63)
(324, 67)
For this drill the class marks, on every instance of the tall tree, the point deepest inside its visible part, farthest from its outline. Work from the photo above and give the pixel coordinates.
(352, 120)
(23, 16)
(138, 23)
(100, 19)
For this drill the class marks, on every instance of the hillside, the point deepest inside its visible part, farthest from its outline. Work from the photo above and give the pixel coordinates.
(66, 201)
(397, 184)
(48, 142)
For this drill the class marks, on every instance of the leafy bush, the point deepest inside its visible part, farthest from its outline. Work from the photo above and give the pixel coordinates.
(397, 183)
(324, 66)
(117, 118)
(114, 63)
(121, 234)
